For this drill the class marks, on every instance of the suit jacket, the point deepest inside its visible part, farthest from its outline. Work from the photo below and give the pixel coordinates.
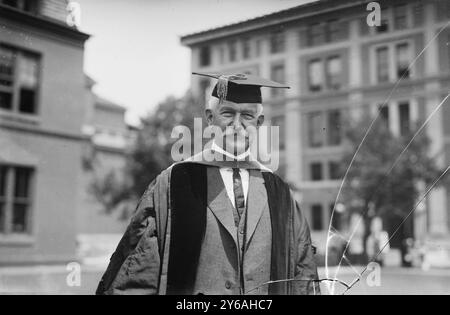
(221, 251)
(153, 259)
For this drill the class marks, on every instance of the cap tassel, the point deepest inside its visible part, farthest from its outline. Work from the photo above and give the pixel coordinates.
(222, 88)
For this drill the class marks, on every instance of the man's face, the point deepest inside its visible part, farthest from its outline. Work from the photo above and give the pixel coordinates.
(234, 119)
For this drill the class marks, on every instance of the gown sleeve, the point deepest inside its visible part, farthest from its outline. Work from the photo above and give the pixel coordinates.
(305, 264)
(134, 268)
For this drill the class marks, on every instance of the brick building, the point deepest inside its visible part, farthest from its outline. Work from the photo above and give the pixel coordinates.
(337, 65)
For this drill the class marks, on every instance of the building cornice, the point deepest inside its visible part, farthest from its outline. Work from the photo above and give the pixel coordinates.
(42, 23)
(270, 20)
(45, 133)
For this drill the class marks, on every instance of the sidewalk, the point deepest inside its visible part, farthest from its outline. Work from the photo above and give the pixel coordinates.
(53, 280)
(49, 280)
(395, 281)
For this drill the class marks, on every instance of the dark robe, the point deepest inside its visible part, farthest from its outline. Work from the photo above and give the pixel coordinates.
(158, 253)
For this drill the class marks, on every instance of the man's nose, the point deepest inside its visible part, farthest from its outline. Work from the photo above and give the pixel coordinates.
(237, 123)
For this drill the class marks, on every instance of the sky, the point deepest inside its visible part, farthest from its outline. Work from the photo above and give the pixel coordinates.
(135, 55)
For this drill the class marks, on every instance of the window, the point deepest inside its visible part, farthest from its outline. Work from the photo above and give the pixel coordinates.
(232, 51)
(334, 73)
(24, 5)
(205, 56)
(280, 122)
(19, 80)
(400, 17)
(315, 75)
(316, 34)
(382, 57)
(448, 51)
(335, 170)
(204, 86)
(334, 128)
(277, 42)
(316, 172)
(221, 55)
(364, 28)
(258, 47)
(442, 9)
(404, 114)
(337, 218)
(246, 48)
(333, 31)
(317, 217)
(384, 113)
(384, 27)
(2, 198)
(418, 14)
(315, 129)
(15, 199)
(403, 60)
(278, 75)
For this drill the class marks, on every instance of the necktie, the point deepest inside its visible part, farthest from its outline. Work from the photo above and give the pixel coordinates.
(239, 199)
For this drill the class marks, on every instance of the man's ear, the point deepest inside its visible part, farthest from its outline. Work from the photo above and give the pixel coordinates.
(260, 121)
(209, 116)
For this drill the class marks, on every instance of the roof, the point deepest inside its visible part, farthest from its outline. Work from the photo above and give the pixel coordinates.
(90, 82)
(107, 104)
(43, 22)
(271, 19)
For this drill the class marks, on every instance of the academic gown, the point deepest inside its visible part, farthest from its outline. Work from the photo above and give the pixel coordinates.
(161, 248)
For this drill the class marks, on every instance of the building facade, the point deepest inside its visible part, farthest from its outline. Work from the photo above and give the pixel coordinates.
(43, 105)
(337, 65)
(105, 156)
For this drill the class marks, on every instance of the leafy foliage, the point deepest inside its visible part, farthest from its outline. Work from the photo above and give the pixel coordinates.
(374, 186)
(149, 155)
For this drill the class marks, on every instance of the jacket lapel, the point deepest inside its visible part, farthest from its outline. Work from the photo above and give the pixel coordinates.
(256, 202)
(218, 201)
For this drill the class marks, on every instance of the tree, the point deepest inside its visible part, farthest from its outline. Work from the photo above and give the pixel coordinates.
(374, 187)
(150, 154)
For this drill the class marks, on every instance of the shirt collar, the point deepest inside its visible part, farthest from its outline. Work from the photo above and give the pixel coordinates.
(239, 157)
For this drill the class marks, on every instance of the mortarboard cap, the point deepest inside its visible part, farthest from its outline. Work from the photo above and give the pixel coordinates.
(240, 88)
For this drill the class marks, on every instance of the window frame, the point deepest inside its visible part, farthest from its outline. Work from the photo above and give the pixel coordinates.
(316, 88)
(9, 201)
(334, 166)
(402, 121)
(246, 48)
(282, 129)
(273, 68)
(232, 50)
(16, 86)
(205, 56)
(337, 31)
(392, 61)
(316, 34)
(329, 78)
(277, 42)
(320, 169)
(330, 128)
(317, 209)
(396, 9)
(311, 132)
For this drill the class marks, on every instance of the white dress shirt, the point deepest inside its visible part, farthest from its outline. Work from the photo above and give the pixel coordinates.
(227, 174)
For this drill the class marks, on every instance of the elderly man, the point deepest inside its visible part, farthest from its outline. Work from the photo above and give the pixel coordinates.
(217, 226)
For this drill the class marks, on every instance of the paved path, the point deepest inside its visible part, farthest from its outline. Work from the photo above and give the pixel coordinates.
(53, 280)
(397, 281)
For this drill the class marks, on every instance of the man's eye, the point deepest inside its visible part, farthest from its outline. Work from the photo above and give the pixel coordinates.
(227, 114)
(248, 116)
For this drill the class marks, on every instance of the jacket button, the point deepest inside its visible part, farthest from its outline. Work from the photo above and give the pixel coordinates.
(228, 285)
(241, 231)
